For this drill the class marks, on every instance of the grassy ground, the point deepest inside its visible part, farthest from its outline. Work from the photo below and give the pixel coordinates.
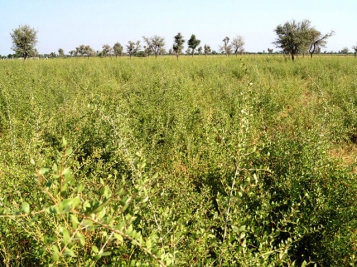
(223, 161)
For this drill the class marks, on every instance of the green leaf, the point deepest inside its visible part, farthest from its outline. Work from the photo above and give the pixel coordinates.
(74, 220)
(25, 207)
(76, 201)
(66, 205)
(66, 171)
(101, 214)
(95, 249)
(64, 142)
(69, 151)
(86, 205)
(55, 255)
(55, 167)
(148, 244)
(81, 238)
(80, 188)
(69, 252)
(87, 223)
(32, 161)
(118, 237)
(107, 253)
(44, 171)
(65, 236)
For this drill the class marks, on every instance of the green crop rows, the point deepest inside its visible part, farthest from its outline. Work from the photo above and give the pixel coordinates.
(204, 161)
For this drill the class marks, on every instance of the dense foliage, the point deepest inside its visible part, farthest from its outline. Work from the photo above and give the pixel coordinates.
(210, 161)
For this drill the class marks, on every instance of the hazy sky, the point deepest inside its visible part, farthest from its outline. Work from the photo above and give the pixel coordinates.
(69, 23)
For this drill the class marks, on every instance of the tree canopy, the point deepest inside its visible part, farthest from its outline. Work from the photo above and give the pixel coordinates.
(298, 37)
(24, 40)
(118, 49)
(132, 47)
(60, 52)
(193, 43)
(355, 49)
(107, 50)
(227, 47)
(207, 49)
(178, 44)
(317, 40)
(155, 44)
(238, 45)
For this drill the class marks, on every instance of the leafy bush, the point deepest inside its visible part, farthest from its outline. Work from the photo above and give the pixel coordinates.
(208, 161)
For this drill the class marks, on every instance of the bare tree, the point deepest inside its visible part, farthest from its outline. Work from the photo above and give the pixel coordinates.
(226, 48)
(155, 44)
(355, 49)
(345, 51)
(318, 40)
(147, 51)
(238, 45)
(133, 48)
(207, 49)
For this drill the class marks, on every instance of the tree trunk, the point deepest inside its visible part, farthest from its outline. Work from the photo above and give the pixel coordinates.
(292, 56)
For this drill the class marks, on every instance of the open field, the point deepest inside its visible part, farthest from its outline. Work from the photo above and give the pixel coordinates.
(204, 161)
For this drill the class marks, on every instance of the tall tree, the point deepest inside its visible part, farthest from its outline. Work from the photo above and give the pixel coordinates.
(207, 49)
(193, 43)
(53, 55)
(226, 48)
(107, 50)
(89, 51)
(238, 45)
(24, 40)
(118, 49)
(147, 51)
(60, 52)
(85, 50)
(355, 49)
(199, 50)
(178, 44)
(80, 50)
(345, 51)
(293, 37)
(317, 40)
(155, 44)
(132, 47)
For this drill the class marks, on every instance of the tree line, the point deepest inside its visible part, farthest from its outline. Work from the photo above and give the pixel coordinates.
(293, 38)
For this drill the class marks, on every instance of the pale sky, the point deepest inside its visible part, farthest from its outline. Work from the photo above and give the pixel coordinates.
(67, 24)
